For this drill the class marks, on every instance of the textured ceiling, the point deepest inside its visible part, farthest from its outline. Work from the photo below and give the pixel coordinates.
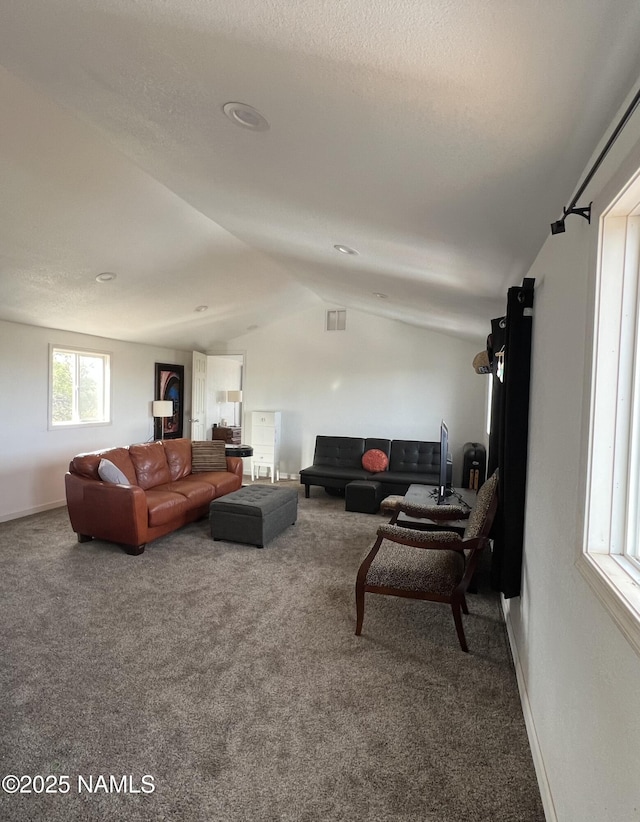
(438, 139)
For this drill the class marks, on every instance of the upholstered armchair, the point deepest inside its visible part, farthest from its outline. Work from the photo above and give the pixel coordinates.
(429, 565)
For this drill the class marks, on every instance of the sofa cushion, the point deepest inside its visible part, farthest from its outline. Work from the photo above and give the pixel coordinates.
(374, 460)
(414, 456)
(223, 482)
(377, 443)
(165, 506)
(338, 452)
(86, 465)
(150, 463)
(198, 493)
(108, 472)
(178, 454)
(208, 455)
(329, 472)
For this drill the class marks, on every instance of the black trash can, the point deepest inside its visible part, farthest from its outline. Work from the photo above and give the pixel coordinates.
(474, 465)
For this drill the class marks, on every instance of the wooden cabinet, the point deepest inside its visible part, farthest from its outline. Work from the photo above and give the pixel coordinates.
(265, 441)
(231, 434)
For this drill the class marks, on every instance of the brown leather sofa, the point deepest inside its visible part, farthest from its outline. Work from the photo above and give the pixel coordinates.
(163, 494)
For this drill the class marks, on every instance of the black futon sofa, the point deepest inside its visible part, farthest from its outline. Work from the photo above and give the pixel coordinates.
(337, 461)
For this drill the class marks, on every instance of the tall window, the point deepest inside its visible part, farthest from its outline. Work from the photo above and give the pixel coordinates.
(611, 555)
(79, 387)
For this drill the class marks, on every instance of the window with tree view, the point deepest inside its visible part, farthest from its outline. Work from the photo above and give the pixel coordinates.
(80, 389)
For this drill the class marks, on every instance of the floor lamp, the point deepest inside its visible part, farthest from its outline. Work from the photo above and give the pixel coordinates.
(235, 397)
(162, 409)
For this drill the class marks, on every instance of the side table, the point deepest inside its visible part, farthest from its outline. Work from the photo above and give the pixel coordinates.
(238, 451)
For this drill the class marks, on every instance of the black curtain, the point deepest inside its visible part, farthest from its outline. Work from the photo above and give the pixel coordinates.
(510, 354)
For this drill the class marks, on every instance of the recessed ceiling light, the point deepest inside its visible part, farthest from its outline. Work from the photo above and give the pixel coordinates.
(379, 295)
(200, 308)
(246, 116)
(106, 277)
(345, 249)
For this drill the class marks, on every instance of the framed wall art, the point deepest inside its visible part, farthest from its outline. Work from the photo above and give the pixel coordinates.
(169, 386)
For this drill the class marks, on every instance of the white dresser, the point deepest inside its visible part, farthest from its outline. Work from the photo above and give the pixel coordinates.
(265, 441)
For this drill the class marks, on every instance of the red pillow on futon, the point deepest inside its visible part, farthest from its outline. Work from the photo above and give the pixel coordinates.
(375, 460)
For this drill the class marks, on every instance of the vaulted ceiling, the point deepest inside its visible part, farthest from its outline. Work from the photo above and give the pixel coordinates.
(437, 139)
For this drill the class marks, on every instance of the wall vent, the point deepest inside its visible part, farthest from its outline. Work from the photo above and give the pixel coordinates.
(336, 320)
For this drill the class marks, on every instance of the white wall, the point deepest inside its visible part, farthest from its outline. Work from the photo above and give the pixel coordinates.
(379, 378)
(34, 459)
(579, 676)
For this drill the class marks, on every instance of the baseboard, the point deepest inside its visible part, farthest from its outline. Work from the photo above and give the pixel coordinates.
(536, 753)
(38, 509)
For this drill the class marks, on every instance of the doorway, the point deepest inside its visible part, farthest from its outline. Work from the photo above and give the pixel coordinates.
(225, 382)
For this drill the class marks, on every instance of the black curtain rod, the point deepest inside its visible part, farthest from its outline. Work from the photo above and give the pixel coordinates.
(585, 211)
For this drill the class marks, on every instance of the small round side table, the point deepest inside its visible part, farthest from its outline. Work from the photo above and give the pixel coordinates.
(238, 451)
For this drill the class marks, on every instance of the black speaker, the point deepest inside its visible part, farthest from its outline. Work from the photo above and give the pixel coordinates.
(474, 465)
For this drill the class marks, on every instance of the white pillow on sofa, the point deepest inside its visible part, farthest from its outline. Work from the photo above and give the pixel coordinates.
(109, 472)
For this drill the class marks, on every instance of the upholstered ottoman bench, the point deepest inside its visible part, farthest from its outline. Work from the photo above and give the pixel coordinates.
(255, 514)
(363, 496)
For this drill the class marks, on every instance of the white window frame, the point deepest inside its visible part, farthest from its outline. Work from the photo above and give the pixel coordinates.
(107, 403)
(336, 320)
(489, 413)
(609, 559)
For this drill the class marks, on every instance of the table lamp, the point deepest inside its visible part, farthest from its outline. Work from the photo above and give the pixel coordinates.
(235, 397)
(163, 409)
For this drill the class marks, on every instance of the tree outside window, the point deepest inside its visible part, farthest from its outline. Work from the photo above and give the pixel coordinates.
(79, 387)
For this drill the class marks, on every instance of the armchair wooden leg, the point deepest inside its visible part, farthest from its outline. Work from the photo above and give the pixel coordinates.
(457, 618)
(465, 609)
(359, 608)
(361, 583)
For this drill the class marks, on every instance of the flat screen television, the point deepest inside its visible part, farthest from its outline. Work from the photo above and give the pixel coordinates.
(444, 453)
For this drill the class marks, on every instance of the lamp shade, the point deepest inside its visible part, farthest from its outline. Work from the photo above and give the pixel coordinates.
(234, 396)
(162, 408)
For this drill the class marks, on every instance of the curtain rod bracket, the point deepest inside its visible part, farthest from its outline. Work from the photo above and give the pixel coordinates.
(558, 226)
(582, 211)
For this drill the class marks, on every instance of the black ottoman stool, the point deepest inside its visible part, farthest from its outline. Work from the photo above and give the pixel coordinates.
(363, 496)
(254, 514)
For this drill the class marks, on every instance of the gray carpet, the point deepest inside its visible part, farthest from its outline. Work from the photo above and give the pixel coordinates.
(233, 677)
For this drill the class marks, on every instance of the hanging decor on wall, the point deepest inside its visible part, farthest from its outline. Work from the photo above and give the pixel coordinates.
(169, 386)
